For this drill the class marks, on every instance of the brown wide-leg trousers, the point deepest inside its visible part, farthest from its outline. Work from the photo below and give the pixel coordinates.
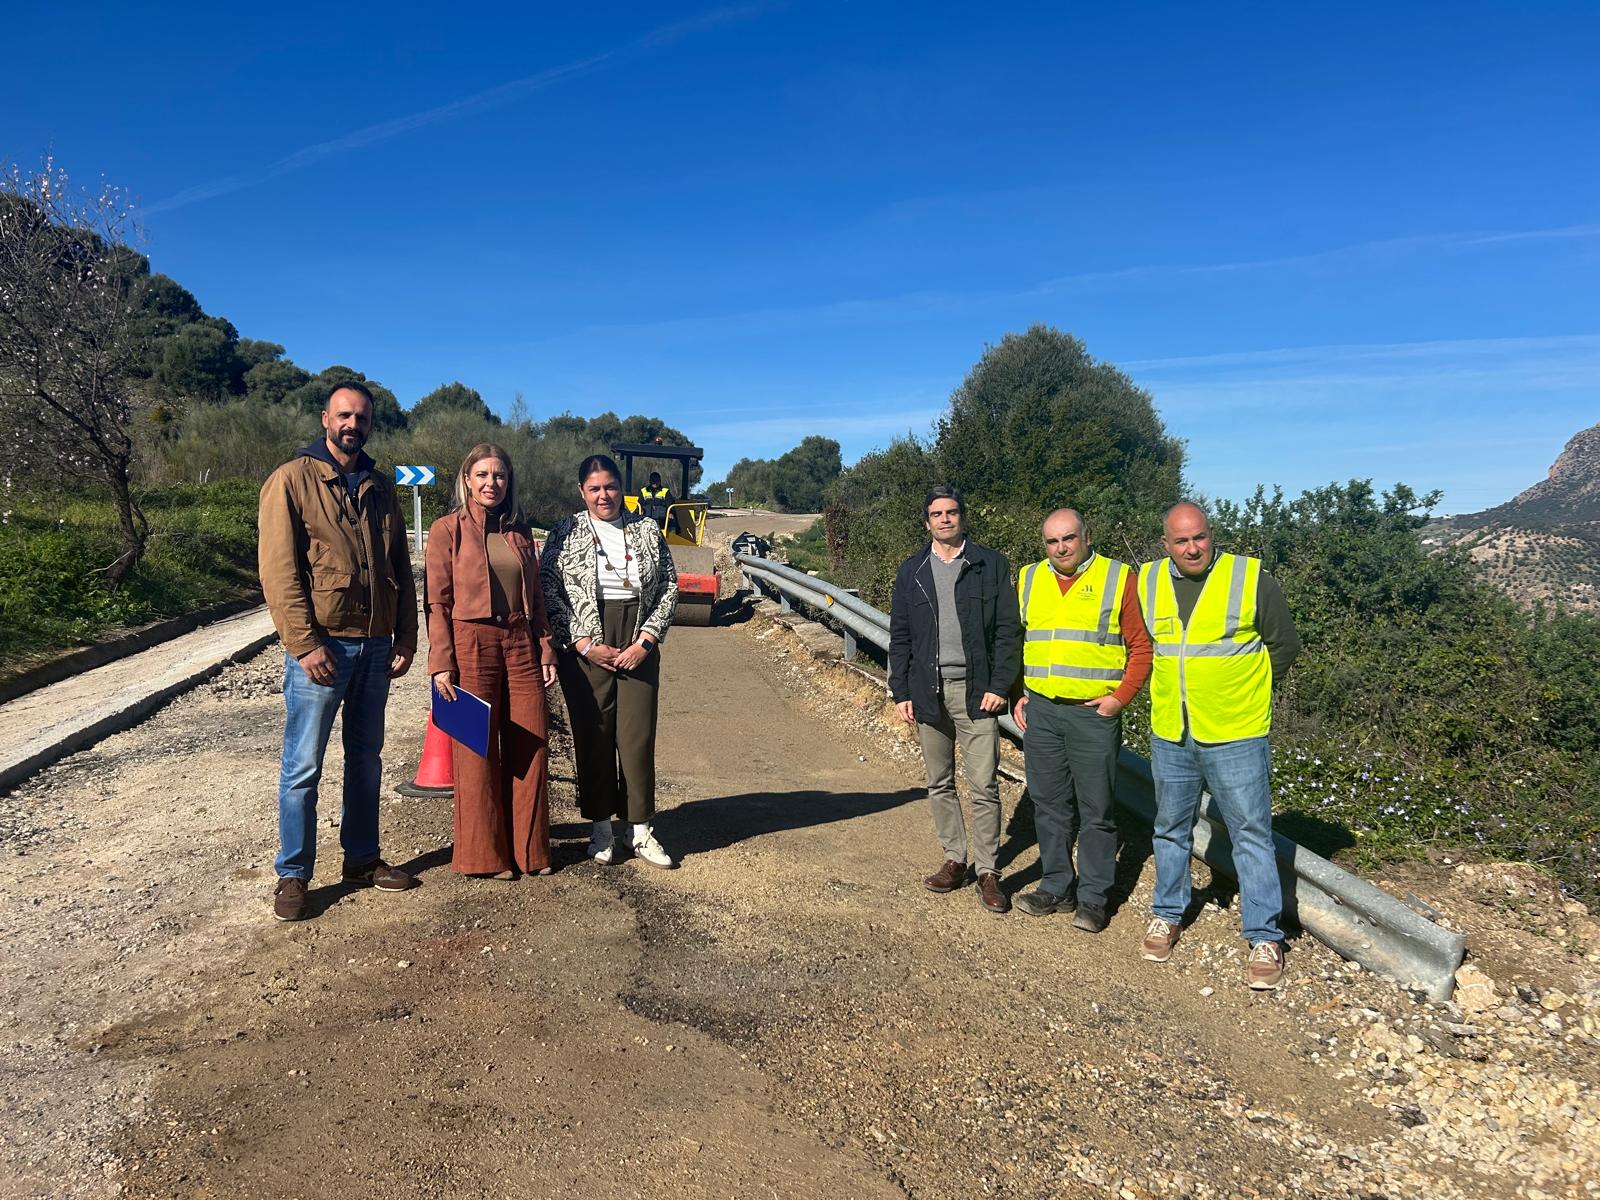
(502, 802)
(613, 717)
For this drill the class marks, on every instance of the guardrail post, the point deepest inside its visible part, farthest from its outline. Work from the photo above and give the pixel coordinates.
(849, 646)
(783, 602)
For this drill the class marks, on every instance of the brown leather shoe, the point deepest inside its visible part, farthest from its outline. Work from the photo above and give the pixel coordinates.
(990, 894)
(289, 900)
(380, 875)
(947, 878)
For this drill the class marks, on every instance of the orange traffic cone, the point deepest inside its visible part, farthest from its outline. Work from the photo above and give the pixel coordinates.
(435, 776)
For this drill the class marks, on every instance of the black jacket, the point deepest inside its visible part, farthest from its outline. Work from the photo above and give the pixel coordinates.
(991, 632)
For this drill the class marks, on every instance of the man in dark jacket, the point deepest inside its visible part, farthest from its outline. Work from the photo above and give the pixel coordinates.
(955, 647)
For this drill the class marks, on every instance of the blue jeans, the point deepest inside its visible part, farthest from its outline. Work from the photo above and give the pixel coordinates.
(361, 686)
(1239, 777)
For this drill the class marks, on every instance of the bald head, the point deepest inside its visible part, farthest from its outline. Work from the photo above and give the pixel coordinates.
(1066, 540)
(1187, 538)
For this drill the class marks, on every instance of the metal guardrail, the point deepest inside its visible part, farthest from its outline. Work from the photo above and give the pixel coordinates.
(1341, 910)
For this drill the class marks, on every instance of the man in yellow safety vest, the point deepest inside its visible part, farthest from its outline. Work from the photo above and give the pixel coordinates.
(1223, 635)
(1085, 655)
(654, 498)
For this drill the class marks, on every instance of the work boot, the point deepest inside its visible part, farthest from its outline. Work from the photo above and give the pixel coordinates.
(1040, 903)
(289, 900)
(1091, 918)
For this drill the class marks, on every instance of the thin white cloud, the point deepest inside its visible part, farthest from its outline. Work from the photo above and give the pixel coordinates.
(1356, 351)
(495, 97)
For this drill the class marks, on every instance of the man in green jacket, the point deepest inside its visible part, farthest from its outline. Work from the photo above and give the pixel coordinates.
(337, 579)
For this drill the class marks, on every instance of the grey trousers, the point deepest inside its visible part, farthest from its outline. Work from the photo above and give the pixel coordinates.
(980, 755)
(1071, 756)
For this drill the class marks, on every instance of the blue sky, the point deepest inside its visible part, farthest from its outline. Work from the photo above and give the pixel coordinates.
(1354, 241)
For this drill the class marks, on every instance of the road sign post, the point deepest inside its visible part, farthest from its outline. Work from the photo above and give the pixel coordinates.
(416, 478)
(730, 496)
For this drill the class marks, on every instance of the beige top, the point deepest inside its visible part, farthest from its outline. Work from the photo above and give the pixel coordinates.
(505, 576)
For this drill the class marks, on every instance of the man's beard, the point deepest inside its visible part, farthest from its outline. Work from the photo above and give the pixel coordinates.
(350, 439)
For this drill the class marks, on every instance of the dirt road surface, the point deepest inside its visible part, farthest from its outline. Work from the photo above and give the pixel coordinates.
(790, 1014)
(729, 523)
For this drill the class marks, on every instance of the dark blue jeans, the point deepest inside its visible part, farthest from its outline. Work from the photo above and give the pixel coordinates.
(1239, 778)
(361, 687)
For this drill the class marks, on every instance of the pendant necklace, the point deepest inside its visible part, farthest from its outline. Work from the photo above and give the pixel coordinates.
(627, 552)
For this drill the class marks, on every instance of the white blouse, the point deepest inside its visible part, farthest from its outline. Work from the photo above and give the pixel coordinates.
(619, 571)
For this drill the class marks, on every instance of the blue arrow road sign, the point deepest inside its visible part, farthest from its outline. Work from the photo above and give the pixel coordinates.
(414, 476)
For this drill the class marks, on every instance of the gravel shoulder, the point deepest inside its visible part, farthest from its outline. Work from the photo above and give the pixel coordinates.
(788, 1013)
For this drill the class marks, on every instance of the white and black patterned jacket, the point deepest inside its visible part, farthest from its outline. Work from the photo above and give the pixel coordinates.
(569, 573)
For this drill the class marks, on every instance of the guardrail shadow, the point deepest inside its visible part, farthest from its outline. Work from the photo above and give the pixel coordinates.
(715, 823)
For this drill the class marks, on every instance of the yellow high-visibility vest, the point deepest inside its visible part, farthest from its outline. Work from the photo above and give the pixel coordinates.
(649, 493)
(1072, 646)
(1215, 670)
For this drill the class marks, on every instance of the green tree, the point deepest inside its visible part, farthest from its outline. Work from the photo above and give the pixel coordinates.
(272, 382)
(200, 361)
(1039, 422)
(312, 397)
(801, 476)
(454, 396)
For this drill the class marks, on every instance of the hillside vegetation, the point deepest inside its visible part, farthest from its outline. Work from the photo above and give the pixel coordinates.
(137, 429)
(1543, 546)
(1428, 713)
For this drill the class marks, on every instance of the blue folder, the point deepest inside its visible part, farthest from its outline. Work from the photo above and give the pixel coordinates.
(466, 719)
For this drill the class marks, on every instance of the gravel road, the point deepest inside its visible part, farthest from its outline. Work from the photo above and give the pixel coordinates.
(789, 1014)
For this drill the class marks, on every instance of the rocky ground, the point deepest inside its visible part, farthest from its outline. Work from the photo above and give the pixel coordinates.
(789, 1013)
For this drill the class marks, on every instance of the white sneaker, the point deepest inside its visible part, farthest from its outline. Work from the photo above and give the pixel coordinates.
(646, 847)
(602, 846)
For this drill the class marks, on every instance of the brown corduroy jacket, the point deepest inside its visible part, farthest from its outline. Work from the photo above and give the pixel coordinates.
(457, 586)
(331, 567)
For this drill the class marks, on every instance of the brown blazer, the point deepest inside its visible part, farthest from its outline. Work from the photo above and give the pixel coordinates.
(457, 586)
(330, 568)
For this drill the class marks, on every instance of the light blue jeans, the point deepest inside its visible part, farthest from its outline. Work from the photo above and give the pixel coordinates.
(361, 687)
(1239, 777)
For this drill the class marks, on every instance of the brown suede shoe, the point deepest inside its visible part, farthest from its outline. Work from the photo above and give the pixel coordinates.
(947, 878)
(990, 894)
(1159, 940)
(380, 875)
(289, 900)
(1266, 966)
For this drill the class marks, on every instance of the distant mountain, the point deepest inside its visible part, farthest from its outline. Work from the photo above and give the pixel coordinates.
(1545, 543)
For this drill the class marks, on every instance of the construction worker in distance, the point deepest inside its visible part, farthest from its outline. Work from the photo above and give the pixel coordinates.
(1085, 655)
(1223, 636)
(654, 498)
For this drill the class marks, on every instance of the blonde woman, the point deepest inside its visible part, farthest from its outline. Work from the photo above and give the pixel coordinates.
(611, 589)
(488, 633)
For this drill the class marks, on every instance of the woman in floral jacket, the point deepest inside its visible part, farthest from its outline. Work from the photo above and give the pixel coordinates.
(610, 590)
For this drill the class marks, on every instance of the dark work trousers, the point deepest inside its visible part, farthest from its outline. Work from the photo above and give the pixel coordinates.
(502, 801)
(1070, 751)
(613, 716)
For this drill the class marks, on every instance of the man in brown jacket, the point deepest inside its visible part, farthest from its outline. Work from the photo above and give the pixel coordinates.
(337, 578)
